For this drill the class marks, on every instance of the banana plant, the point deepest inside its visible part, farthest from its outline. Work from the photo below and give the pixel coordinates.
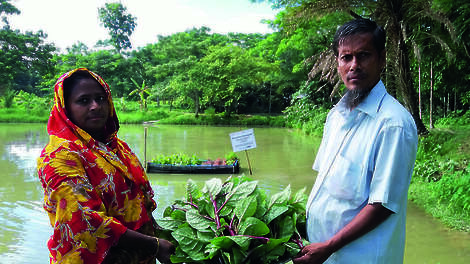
(141, 90)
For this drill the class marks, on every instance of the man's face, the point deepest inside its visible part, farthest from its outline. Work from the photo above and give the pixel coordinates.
(88, 108)
(359, 63)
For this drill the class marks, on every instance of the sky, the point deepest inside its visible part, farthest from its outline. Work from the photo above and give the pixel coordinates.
(68, 21)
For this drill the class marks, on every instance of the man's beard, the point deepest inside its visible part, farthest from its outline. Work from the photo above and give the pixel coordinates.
(353, 98)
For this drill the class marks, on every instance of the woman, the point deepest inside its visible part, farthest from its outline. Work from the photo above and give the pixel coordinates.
(96, 193)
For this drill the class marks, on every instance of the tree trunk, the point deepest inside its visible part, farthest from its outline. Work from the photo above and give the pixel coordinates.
(419, 90)
(455, 100)
(448, 103)
(269, 108)
(398, 62)
(431, 125)
(196, 104)
(404, 82)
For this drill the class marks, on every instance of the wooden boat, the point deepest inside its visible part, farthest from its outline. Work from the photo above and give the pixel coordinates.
(187, 169)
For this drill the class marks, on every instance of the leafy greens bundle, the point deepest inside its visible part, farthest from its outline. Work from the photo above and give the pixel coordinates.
(234, 222)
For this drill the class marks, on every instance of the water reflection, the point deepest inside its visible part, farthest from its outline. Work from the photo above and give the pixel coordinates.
(282, 157)
(25, 227)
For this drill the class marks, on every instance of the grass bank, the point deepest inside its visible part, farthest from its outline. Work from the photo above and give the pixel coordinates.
(161, 115)
(441, 179)
(16, 115)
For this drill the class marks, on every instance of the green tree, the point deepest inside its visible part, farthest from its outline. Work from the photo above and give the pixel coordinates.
(24, 56)
(6, 8)
(78, 48)
(120, 24)
(184, 84)
(457, 73)
(402, 19)
(116, 69)
(228, 73)
(292, 50)
(166, 64)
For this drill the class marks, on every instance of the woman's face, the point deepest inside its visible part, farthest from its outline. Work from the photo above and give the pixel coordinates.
(87, 107)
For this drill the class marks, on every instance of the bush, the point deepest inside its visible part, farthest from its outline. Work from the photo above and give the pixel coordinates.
(453, 189)
(8, 98)
(138, 117)
(442, 175)
(306, 115)
(457, 118)
(210, 111)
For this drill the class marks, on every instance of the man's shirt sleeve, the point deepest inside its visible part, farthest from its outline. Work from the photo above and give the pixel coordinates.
(393, 166)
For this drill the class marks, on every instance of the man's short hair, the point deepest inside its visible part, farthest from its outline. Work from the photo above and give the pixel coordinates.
(357, 26)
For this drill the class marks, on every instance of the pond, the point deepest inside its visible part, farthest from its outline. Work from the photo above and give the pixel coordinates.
(282, 157)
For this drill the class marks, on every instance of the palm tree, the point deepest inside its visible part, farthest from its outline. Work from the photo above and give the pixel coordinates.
(402, 20)
(405, 22)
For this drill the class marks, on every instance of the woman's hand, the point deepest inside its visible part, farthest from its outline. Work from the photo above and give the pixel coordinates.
(164, 251)
(151, 247)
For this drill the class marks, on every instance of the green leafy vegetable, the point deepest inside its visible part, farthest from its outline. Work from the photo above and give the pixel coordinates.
(185, 159)
(234, 222)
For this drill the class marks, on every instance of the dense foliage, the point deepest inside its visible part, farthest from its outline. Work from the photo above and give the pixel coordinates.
(420, 34)
(238, 73)
(177, 159)
(234, 222)
(286, 78)
(442, 173)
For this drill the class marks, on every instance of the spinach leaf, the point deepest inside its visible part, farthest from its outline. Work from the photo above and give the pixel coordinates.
(234, 222)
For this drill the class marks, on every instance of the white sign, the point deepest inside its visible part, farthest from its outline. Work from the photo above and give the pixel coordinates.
(243, 140)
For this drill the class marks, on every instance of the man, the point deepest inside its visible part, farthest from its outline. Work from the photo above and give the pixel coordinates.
(356, 212)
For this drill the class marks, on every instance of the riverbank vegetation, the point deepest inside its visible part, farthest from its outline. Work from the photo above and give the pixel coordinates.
(286, 78)
(441, 177)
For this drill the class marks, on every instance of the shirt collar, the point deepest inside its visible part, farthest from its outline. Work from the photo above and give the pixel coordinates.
(371, 104)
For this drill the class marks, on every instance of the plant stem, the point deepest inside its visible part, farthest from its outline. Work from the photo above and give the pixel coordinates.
(298, 240)
(216, 211)
(224, 203)
(192, 205)
(232, 232)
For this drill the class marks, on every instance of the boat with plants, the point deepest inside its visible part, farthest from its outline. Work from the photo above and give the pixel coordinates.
(190, 164)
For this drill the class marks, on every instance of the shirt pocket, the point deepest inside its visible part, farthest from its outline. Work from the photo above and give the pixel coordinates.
(347, 181)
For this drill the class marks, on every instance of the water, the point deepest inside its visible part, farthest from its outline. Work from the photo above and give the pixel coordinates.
(282, 157)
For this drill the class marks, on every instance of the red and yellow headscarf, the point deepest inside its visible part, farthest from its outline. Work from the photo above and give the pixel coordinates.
(59, 117)
(93, 191)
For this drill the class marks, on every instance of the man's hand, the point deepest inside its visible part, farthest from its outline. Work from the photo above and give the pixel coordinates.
(367, 219)
(313, 254)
